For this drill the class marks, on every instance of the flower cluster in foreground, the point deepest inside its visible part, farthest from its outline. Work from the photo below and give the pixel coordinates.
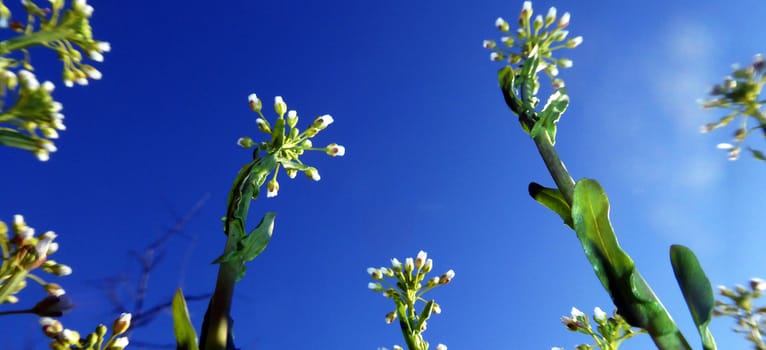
(67, 339)
(29, 117)
(24, 251)
(287, 142)
(610, 331)
(406, 284)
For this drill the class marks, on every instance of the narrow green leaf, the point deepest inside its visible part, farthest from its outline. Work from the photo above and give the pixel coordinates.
(528, 77)
(635, 300)
(590, 216)
(186, 337)
(556, 106)
(509, 86)
(250, 246)
(757, 154)
(552, 199)
(697, 290)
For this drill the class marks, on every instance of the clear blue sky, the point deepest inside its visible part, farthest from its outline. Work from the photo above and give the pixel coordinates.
(434, 161)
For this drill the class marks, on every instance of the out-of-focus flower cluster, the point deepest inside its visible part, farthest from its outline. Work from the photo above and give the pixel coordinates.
(738, 303)
(30, 118)
(609, 333)
(24, 251)
(406, 284)
(66, 339)
(540, 36)
(287, 142)
(739, 94)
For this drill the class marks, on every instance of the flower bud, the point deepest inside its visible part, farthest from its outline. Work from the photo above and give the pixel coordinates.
(280, 106)
(564, 20)
(263, 125)
(322, 122)
(292, 118)
(119, 343)
(599, 315)
(550, 17)
(272, 188)
(489, 44)
(245, 142)
(447, 277)
(420, 259)
(255, 102)
(502, 24)
(574, 42)
(121, 324)
(313, 174)
(538, 23)
(390, 317)
(526, 11)
(335, 149)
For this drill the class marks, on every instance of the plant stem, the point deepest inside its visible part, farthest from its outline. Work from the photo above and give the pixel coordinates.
(217, 320)
(11, 284)
(37, 38)
(555, 166)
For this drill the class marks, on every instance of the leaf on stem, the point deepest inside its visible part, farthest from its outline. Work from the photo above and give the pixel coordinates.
(186, 337)
(635, 300)
(552, 199)
(556, 106)
(697, 291)
(251, 245)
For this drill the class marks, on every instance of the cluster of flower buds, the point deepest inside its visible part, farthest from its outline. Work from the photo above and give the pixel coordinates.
(406, 284)
(540, 36)
(69, 339)
(35, 117)
(32, 121)
(740, 305)
(27, 251)
(609, 332)
(438, 347)
(73, 33)
(739, 94)
(287, 142)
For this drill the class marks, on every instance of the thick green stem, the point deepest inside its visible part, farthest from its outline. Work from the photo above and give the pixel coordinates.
(28, 40)
(220, 305)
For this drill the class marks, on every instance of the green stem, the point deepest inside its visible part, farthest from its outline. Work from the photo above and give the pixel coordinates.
(555, 166)
(12, 283)
(32, 39)
(664, 340)
(220, 305)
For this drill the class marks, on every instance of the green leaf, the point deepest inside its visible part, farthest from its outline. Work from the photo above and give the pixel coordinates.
(635, 300)
(590, 216)
(697, 290)
(552, 199)
(757, 154)
(528, 77)
(556, 106)
(186, 337)
(509, 85)
(250, 246)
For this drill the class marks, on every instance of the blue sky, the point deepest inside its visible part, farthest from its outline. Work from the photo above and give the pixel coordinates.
(434, 161)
